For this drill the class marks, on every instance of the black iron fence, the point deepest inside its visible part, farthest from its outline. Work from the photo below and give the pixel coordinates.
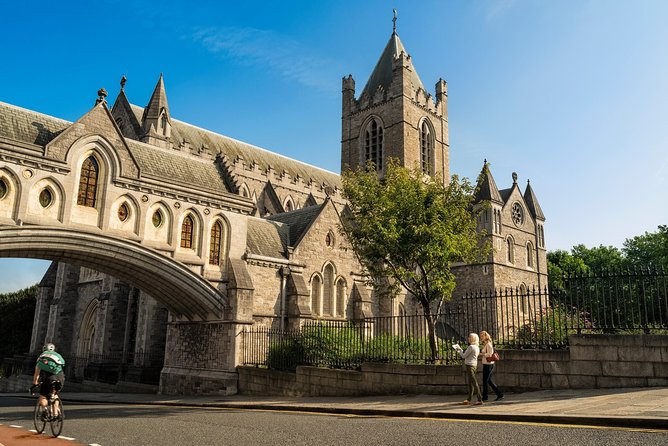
(612, 302)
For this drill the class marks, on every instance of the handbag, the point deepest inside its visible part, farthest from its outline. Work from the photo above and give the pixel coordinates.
(493, 358)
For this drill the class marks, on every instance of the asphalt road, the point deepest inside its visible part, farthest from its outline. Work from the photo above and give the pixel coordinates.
(131, 425)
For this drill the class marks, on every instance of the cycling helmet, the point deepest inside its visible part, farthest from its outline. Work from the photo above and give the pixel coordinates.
(49, 347)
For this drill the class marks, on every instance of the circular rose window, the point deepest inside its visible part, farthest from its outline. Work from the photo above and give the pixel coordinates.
(517, 214)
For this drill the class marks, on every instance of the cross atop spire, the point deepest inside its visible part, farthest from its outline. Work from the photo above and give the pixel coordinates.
(394, 21)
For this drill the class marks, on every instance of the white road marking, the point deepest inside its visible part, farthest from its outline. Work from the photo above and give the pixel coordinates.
(14, 425)
(67, 438)
(92, 444)
(32, 430)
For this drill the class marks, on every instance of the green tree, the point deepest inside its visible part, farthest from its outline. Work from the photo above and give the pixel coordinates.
(651, 248)
(408, 229)
(601, 258)
(16, 316)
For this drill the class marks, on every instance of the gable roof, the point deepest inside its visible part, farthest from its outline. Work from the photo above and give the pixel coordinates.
(298, 221)
(382, 73)
(267, 238)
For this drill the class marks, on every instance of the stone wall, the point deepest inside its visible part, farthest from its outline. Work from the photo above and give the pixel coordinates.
(593, 361)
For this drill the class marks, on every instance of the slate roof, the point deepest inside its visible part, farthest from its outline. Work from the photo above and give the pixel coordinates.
(267, 238)
(224, 145)
(487, 189)
(165, 165)
(20, 124)
(382, 73)
(532, 202)
(505, 194)
(298, 221)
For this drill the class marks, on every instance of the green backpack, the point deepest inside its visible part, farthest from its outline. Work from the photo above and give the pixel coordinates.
(51, 362)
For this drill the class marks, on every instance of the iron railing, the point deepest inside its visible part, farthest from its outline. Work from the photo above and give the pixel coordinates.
(612, 302)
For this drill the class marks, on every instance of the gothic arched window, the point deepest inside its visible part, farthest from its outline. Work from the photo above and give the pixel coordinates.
(373, 144)
(216, 243)
(340, 297)
(510, 247)
(88, 182)
(315, 294)
(187, 232)
(426, 147)
(328, 291)
(529, 255)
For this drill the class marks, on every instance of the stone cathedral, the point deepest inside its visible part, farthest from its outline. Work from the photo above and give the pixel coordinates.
(242, 217)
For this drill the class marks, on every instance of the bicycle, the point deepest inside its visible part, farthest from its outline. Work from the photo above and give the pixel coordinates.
(54, 413)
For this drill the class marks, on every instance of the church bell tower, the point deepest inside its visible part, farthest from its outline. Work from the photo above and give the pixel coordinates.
(395, 117)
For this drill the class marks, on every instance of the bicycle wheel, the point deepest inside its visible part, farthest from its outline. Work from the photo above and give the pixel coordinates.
(56, 421)
(40, 422)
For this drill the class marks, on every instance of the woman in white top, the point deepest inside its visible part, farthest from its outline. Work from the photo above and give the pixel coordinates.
(470, 357)
(488, 367)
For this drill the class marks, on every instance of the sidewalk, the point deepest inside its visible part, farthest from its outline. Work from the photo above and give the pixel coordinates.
(637, 408)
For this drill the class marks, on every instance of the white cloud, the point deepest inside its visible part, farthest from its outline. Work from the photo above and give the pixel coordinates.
(268, 49)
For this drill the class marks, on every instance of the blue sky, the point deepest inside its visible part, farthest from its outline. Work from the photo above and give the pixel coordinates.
(572, 94)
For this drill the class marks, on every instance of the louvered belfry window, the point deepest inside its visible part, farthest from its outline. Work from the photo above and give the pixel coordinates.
(426, 147)
(88, 182)
(373, 144)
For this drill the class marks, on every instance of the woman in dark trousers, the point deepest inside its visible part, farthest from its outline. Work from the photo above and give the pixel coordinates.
(488, 367)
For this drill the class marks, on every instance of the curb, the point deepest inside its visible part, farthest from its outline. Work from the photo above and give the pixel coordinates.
(622, 422)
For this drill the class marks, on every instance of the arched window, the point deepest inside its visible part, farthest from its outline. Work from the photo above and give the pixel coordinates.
(88, 182)
(426, 147)
(216, 243)
(289, 205)
(328, 291)
(340, 297)
(315, 294)
(510, 247)
(373, 144)
(187, 232)
(3, 188)
(529, 255)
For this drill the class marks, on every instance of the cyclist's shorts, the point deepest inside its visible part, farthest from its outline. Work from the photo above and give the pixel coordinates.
(57, 381)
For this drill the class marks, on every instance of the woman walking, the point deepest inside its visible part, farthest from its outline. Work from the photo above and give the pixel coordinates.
(470, 357)
(488, 367)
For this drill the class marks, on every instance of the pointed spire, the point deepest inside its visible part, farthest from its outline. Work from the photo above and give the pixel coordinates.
(532, 203)
(382, 73)
(156, 122)
(487, 189)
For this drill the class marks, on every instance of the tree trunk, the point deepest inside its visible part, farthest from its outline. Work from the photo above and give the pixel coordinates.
(431, 332)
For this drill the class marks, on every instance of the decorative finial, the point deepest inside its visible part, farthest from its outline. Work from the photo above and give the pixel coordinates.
(394, 21)
(123, 81)
(102, 93)
(514, 177)
(528, 181)
(485, 162)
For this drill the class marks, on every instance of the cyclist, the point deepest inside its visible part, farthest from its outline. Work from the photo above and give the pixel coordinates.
(49, 368)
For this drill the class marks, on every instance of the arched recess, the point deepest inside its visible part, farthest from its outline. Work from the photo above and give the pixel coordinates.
(10, 190)
(316, 294)
(125, 214)
(158, 226)
(219, 242)
(98, 145)
(192, 242)
(184, 293)
(46, 201)
(510, 250)
(328, 292)
(341, 293)
(288, 204)
(86, 337)
(92, 174)
(244, 191)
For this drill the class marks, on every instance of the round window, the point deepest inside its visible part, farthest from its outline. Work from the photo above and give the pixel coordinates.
(157, 219)
(517, 214)
(3, 188)
(45, 197)
(123, 212)
(329, 239)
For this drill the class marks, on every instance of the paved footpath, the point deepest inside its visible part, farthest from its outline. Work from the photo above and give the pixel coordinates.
(642, 408)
